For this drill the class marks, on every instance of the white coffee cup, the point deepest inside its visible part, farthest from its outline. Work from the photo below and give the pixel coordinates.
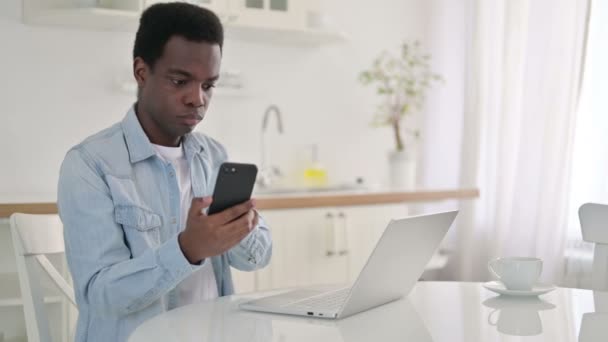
(517, 273)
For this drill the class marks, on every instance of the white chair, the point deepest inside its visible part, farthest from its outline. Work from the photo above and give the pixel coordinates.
(594, 225)
(34, 236)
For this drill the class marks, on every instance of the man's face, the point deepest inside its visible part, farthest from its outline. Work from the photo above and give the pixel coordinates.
(175, 95)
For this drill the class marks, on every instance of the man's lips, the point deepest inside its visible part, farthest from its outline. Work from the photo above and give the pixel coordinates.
(191, 120)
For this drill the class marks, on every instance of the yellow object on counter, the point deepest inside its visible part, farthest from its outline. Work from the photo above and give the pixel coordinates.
(315, 176)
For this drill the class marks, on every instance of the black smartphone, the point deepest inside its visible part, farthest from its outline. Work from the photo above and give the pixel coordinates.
(233, 186)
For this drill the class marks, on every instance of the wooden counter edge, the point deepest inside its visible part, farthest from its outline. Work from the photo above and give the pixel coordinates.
(7, 209)
(343, 200)
(295, 202)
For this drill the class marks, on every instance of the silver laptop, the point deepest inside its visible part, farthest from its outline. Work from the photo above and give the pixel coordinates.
(391, 271)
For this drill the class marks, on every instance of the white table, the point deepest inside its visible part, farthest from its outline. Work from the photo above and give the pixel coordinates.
(434, 311)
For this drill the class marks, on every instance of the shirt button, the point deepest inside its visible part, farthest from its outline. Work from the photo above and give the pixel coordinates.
(171, 174)
(173, 220)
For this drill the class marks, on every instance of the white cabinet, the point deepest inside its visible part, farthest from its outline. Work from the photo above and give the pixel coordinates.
(274, 21)
(220, 7)
(323, 246)
(267, 14)
(303, 250)
(276, 14)
(319, 246)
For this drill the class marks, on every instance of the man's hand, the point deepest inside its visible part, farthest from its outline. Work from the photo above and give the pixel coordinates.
(206, 236)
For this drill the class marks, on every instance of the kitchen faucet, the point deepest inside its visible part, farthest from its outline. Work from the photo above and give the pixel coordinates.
(268, 172)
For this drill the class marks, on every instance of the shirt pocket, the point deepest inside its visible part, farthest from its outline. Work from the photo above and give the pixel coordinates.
(136, 217)
(141, 227)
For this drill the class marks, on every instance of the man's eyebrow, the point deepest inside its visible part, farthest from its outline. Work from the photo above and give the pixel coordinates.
(179, 72)
(176, 71)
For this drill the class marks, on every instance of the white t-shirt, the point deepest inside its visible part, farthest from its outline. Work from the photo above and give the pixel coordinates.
(201, 284)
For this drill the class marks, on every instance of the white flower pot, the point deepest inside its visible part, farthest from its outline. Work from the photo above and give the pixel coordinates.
(402, 170)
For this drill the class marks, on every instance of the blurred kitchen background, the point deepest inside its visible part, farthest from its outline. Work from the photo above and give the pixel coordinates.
(512, 133)
(71, 79)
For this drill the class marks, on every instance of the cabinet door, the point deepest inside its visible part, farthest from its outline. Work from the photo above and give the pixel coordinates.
(364, 227)
(272, 14)
(219, 7)
(319, 246)
(328, 261)
(302, 250)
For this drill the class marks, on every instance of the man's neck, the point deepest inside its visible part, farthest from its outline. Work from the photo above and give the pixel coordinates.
(154, 134)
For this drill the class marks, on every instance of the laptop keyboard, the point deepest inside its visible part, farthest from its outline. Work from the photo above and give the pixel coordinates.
(330, 301)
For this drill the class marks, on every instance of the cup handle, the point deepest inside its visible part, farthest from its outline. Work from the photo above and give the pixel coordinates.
(491, 268)
(490, 318)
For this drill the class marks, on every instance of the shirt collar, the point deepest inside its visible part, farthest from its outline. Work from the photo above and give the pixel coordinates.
(139, 145)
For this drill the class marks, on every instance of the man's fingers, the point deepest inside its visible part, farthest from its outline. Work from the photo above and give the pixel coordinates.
(232, 234)
(240, 227)
(238, 236)
(232, 213)
(198, 204)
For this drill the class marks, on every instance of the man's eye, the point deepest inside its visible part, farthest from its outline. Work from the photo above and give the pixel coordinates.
(208, 86)
(178, 82)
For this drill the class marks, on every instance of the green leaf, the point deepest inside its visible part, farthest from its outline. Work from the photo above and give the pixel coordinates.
(401, 81)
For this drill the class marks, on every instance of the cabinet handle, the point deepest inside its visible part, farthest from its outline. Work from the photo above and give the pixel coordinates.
(330, 235)
(342, 237)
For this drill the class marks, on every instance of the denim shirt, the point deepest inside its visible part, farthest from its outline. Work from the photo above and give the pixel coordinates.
(120, 204)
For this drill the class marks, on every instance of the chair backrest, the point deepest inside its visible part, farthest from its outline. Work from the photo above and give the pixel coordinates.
(594, 225)
(34, 236)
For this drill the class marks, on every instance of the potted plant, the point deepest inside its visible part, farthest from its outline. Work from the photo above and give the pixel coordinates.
(401, 81)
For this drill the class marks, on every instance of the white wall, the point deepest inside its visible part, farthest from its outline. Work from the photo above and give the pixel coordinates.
(56, 89)
(59, 86)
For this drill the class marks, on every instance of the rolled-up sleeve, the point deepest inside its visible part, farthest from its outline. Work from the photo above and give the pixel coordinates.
(107, 278)
(254, 251)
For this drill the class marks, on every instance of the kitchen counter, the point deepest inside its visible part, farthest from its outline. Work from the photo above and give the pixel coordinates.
(295, 200)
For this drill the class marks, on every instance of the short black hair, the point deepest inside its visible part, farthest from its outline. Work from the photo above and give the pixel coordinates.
(159, 22)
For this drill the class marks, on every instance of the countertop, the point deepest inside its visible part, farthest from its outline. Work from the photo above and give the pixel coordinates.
(38, 205)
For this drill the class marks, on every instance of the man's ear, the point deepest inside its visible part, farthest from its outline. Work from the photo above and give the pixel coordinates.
(141, 71)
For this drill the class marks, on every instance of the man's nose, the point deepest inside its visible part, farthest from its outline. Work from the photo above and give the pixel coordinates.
(197, 97)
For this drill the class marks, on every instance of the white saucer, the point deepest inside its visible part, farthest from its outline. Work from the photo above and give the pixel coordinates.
(538, 289)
